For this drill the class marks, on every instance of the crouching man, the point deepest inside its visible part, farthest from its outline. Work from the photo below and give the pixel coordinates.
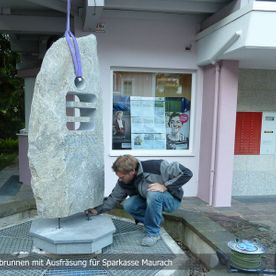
(153, 186)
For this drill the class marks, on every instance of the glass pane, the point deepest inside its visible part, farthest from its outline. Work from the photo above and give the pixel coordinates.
(151, 110)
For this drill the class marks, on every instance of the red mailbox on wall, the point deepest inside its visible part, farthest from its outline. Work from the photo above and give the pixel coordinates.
(248, 133)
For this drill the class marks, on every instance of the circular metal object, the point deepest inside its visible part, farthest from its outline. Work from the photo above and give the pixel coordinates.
(246, 255)
(246, 246)
(79, 83)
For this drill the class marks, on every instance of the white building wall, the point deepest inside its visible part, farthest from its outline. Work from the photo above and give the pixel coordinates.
(255, 174)
(147, 41)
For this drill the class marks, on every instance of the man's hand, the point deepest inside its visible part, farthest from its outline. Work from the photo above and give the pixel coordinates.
(91, 212)
(157, 187)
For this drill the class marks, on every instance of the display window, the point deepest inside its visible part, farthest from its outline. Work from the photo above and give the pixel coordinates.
(152, 112)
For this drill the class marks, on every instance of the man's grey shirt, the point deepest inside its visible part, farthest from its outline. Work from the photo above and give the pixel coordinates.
(172, 175)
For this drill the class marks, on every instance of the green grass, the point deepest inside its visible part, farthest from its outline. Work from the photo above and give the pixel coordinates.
(8, 145)
(7, 159)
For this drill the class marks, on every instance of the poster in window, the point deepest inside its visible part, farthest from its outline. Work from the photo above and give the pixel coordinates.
(121, 127)
(148, 123)
(148, 141)
(177, 123)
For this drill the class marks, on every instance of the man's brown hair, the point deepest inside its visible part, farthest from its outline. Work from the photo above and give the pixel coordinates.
(125, 164)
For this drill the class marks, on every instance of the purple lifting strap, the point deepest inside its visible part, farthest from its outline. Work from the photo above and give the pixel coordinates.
(73, 45)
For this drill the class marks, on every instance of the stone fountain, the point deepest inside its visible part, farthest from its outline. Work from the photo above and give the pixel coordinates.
(66, 153)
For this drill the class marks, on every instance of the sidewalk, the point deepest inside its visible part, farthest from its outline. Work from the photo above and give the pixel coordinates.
(251, 217)
(16, 200)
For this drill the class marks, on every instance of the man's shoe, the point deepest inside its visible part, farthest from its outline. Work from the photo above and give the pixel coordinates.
(150, 240)
(138, 221)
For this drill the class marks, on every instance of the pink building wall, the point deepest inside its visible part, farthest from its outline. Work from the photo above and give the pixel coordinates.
(24, 169)
(220, 88)
(206, 132)
(148, 41)
(117, 49)
(227, 108)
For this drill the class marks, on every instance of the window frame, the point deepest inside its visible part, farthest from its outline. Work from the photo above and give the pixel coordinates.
(153, 153)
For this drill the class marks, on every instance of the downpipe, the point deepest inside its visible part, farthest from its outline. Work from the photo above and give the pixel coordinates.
(214, 133)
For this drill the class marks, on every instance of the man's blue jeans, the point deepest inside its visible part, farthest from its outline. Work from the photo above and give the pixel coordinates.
(149, 210)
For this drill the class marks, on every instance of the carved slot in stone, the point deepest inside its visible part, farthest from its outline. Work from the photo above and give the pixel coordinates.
(80, 111)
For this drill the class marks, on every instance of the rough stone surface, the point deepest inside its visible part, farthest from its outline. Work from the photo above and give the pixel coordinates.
(67, 166)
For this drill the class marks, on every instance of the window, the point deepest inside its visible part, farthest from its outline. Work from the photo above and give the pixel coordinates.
(127, 87)
(152, 112)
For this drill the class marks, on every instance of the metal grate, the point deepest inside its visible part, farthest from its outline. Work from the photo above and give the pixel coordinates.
(130, 244)
(20, 230)
(10, 245)
(132, 272)
(125, 226)
(75, 272)
(21, 272)
(126, 242)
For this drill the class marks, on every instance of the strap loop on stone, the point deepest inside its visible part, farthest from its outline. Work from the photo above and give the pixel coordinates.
(74, 49)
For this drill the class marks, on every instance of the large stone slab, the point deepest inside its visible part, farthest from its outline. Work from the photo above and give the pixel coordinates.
(66, 133)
